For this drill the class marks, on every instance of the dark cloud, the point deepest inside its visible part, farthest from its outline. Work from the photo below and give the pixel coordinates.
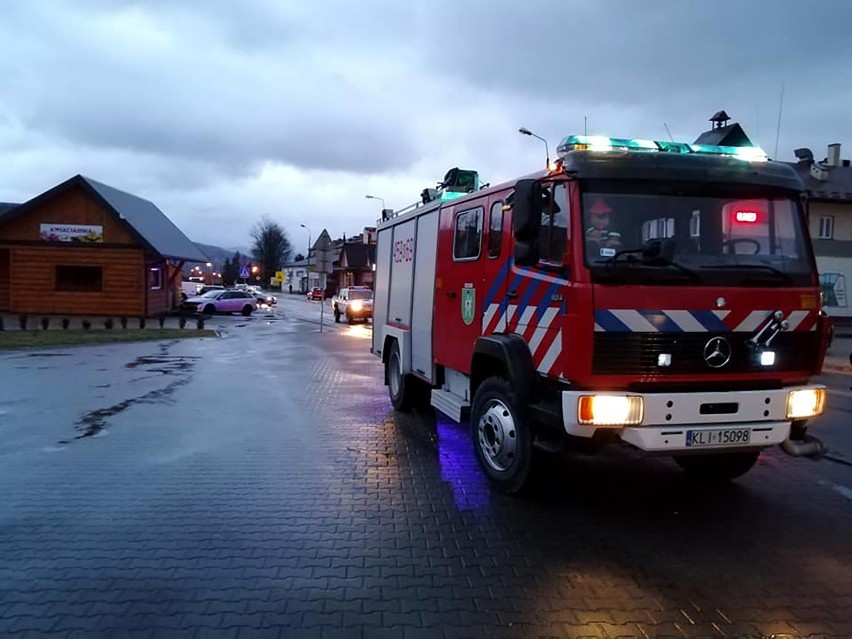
(222, 111)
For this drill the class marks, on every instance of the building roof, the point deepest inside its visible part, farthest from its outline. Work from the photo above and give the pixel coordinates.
(838, 186)
(156, 231)
(730, 135)
(5, 207)
(358, 255)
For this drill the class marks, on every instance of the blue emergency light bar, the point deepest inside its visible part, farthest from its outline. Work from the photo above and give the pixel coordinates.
(603, 143)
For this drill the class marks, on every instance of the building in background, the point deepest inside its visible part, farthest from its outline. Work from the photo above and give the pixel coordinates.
(85, 248)
(829, 185)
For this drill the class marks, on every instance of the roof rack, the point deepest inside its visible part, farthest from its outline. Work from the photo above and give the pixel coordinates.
(456, 183)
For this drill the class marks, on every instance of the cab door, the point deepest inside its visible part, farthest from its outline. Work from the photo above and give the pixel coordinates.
(468, 265)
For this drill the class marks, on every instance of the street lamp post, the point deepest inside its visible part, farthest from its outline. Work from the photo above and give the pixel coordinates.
(373, 197)
(526, 131)
(308, 255)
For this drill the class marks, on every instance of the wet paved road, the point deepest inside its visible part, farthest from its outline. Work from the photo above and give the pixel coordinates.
(259, 485)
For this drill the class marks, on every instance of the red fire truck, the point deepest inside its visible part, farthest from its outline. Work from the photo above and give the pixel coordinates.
(660, 294)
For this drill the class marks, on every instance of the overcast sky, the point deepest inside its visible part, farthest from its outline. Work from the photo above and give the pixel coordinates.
(222, 111)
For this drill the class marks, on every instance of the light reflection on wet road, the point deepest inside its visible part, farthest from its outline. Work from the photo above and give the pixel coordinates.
(261, 481)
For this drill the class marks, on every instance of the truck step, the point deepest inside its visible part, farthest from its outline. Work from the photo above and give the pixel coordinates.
(452, 405)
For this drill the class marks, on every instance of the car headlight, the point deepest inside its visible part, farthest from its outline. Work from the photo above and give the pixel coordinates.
(807, 402)
(610, 410)
(357, 306)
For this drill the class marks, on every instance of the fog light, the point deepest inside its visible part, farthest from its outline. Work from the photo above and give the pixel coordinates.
(612, 410)
(664, 359)
(808, 402)
(767, 358)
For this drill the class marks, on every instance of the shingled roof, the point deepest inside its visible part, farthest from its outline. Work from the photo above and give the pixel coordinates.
(836, 188)
(357, 255)
(730, 135)
(151, 226)
(5, 207)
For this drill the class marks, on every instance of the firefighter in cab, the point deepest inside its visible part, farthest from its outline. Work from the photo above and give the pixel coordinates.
(600, 236)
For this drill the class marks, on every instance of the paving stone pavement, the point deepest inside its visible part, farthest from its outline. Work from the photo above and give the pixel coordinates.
(259, 485)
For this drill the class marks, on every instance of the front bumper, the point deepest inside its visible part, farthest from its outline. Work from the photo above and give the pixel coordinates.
(668, 416)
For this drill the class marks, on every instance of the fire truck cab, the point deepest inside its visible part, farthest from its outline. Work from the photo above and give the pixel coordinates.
(660, 294)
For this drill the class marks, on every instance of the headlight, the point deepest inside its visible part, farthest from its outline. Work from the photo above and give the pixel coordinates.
(805, 403)
(610, 410)
(357, 305)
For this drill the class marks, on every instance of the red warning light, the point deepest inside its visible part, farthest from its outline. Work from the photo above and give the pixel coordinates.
(746, 217)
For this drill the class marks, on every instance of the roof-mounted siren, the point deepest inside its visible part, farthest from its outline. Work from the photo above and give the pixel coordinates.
(603, 144)
(458, 182)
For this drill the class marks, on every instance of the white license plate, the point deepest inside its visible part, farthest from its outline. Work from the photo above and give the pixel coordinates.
(718, 437)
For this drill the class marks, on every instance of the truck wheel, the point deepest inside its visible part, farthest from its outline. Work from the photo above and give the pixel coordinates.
(406, 391)
(349, 319)
(502, 437)
(336, 314)
(717, 467)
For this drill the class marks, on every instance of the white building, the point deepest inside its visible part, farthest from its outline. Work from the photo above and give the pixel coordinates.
(829, 185)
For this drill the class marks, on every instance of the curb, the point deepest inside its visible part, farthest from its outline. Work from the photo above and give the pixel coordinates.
(837, 368)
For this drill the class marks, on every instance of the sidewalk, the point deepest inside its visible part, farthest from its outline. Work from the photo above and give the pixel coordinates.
(837, 358)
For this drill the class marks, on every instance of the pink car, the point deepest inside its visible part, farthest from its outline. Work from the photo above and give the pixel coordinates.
(222, 301)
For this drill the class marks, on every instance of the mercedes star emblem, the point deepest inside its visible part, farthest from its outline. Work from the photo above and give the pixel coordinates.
(717, 352)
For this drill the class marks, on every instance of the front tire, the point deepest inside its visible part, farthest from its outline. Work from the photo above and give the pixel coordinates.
(502, 436)
(718, 467)
(210, 309)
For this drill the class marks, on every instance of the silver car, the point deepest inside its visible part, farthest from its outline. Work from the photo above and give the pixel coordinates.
(222, 301)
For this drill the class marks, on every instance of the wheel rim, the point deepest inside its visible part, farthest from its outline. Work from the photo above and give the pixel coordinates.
(497, 436)
(393, 373)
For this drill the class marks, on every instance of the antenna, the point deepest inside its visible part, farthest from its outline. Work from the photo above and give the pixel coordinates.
(671, 139)
(778, 130)
(585, 126)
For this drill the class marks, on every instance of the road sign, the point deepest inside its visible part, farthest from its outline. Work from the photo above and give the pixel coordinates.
(244, 273)
(279, 276)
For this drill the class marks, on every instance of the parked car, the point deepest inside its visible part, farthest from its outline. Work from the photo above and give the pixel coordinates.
(355, 302)
(222, 301)
(316, 293)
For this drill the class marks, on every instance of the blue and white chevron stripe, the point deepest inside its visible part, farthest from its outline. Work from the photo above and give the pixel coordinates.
(670, 321)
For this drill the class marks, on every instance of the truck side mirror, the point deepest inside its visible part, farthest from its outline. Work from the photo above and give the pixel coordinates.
(526, 221)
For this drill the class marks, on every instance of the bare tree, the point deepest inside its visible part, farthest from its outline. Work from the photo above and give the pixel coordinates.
(271, 246)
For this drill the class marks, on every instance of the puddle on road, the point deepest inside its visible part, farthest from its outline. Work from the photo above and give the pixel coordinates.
(94, 422)
(165, 364)
(29, 355)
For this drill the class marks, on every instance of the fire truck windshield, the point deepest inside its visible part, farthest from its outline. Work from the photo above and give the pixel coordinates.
(742, 239)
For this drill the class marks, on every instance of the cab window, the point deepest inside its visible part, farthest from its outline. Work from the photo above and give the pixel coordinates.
(495, 229)
(467, 234)
(553, 236)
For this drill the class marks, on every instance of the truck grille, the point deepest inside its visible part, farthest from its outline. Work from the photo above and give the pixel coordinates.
(636, 353)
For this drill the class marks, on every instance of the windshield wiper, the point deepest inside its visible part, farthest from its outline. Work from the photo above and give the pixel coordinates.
(655, 261)
(766, 267)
